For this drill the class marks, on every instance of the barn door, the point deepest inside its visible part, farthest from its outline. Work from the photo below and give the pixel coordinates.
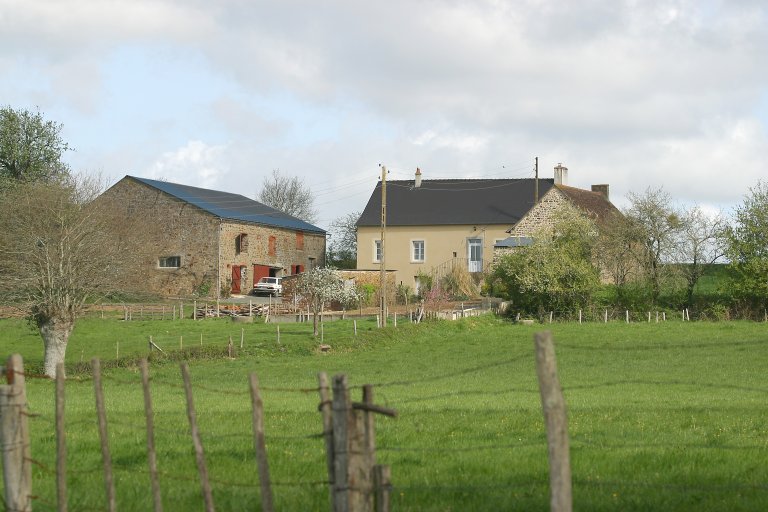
(260, 271)
(236, 278)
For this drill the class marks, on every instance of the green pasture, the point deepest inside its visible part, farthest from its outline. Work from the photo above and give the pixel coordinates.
(667, 416)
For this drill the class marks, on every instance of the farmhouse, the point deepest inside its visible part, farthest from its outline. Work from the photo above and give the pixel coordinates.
(594, 203)
(436, 225)
(213, 243)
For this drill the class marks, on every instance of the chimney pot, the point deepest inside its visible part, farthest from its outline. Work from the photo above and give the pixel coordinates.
(561, 175)
(417, 181)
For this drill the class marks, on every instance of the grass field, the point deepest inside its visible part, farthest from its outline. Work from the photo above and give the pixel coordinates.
(662, 416)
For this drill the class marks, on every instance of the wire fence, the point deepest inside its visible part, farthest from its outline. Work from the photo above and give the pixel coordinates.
(425, 447)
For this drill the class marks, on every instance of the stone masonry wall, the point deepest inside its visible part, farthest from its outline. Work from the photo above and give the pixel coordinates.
(287, 253)
(174, 229)
(540, 215)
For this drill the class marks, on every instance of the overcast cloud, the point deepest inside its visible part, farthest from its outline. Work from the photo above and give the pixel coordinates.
(636, 94)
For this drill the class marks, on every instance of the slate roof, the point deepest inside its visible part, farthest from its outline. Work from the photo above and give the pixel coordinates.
(453, 201)
(230, 206)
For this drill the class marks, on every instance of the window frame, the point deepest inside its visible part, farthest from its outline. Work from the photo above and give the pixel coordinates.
(167, 259)
(423, 243)
(377, 251)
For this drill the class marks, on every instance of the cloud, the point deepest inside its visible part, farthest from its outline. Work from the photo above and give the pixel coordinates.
(635, 94)
(195, 164)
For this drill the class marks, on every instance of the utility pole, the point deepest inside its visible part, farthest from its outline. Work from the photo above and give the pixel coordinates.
(536, 185)
(383, 277)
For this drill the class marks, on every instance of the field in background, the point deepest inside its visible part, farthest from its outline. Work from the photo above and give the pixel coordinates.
(662, 416)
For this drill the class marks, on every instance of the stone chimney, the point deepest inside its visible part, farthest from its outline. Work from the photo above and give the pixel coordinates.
(417, 181)
(561, 175)
(602, 190)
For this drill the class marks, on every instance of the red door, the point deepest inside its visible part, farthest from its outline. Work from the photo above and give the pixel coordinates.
(236, 279)
(260, 271)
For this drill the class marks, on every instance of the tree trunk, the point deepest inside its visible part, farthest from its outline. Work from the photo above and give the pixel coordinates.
(315, 313)
(55, 333)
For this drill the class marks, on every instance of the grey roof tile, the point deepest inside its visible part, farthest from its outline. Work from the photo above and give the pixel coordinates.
(453, 201)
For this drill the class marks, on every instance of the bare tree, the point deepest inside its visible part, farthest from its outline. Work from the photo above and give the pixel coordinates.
(59, 250)
(31, 148)
(701, 242)
(342, 249)
(657, 222)
(288, 195)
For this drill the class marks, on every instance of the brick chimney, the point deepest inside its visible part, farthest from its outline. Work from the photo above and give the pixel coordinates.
(561, 175)
(602, 190)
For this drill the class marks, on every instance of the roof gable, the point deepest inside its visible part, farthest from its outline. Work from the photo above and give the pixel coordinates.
(230, 206)
(594, 204)
(454, 201)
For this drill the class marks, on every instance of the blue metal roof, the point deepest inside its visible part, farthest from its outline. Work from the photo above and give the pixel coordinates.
(231, 206)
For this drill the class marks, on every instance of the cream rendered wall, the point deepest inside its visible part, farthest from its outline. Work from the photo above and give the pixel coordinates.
(440, 244)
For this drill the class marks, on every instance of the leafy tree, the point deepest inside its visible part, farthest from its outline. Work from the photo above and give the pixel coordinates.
(747, 241)
(288, 195)
(31, 148)
(342, 250)
(657, 224)
(59, 250)
(557, 271)
(321, 285)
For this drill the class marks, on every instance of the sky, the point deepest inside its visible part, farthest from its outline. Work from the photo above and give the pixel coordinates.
(636, 94)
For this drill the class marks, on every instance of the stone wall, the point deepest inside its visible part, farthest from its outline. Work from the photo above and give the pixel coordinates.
(541, 215)
(289, 249)
(174, 228)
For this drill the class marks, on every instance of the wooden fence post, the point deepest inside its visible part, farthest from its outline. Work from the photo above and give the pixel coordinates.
(260, 445)
(151, 453)
(106, 457)
(327, 412)
(197, 441)
(383, 486)
(61, 443)
(349, 480)
(556, 420)
(14, 438)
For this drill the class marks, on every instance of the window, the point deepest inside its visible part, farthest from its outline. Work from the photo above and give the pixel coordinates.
(272, 246)
(169, 262)
(417, 251)
(241, 243)
(312, 263)
(299, 241)
(377, 251)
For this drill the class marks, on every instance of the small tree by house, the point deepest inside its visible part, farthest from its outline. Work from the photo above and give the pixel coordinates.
(59, 250)
(322, 285)
(557, 271)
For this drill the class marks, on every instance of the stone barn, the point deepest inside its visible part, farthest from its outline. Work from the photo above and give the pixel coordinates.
(212, 243)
